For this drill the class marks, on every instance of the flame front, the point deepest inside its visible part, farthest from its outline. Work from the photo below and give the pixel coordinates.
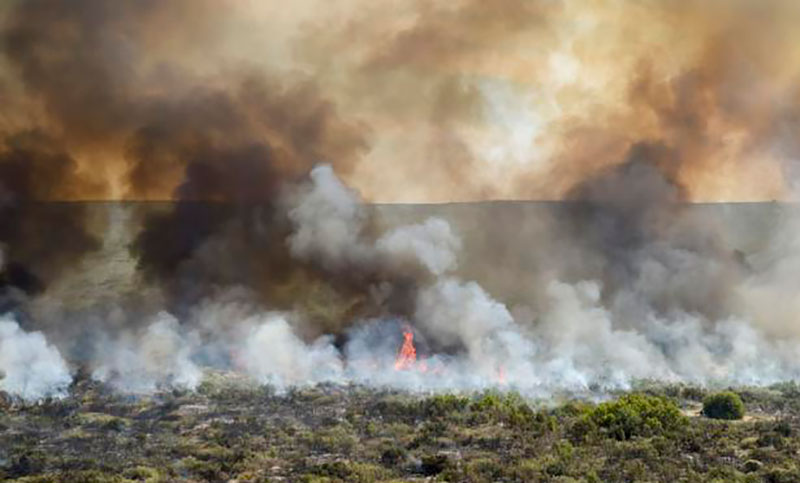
(407, 356)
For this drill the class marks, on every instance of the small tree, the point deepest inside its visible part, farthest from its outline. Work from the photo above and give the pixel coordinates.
(723, 405)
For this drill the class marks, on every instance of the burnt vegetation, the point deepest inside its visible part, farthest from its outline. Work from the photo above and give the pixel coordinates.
(231, 431)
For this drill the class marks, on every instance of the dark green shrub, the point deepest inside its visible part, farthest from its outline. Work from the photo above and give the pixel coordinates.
(393, 456)
(782, 475)
(434, 464)
(723, 405)
(751, 466)
(783, 428)
(638, 415)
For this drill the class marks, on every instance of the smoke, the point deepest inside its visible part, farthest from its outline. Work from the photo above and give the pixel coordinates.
(336, 233)
(432, 243)
(157, 357)
(332, 226)
(651, 246)
(40, 241)
(31, 368)
(272, 353)
(459, 314)
(269, 257)
(329, 222)
(161, 130)
(578, 336)
(449, 99)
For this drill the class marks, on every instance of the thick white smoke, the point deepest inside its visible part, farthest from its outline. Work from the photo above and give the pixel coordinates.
(463, 314)
(155, 358)
(328, 221)
(578, 336)
(272, 353)
(431, 244)
(31, 368)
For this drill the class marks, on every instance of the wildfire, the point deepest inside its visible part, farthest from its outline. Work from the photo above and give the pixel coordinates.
(407, 356)
(407, 360)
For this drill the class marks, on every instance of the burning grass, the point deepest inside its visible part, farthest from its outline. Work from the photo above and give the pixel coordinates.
(227, 430)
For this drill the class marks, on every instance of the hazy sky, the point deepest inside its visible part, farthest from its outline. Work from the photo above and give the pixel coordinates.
(423, 101)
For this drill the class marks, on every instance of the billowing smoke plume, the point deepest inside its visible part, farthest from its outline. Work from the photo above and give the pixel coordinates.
(266, 133)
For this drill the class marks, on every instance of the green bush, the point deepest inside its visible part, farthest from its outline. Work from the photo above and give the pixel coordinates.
(337, 439)
(723, 405)
(441, 406)
(637, 415)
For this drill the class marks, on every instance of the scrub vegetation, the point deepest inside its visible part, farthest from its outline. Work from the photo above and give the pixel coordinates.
(230, 431)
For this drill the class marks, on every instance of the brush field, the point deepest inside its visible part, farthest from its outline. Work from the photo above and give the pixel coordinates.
(231, 431)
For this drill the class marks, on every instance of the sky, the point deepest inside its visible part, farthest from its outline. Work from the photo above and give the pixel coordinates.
(411, 101)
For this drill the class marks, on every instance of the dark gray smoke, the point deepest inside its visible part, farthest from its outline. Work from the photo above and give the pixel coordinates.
(38, 240)
(262, 260)
(635, 219)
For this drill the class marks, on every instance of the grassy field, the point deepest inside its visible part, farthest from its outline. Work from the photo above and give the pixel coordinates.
(229, 431)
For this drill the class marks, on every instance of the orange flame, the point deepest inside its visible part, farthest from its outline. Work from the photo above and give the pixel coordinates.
(407, 356)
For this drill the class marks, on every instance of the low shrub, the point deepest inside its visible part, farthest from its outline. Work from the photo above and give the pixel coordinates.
(441, 406)
(723, 405)
(484, 469)
(510, 409)
(434, 464)
(637, 415)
